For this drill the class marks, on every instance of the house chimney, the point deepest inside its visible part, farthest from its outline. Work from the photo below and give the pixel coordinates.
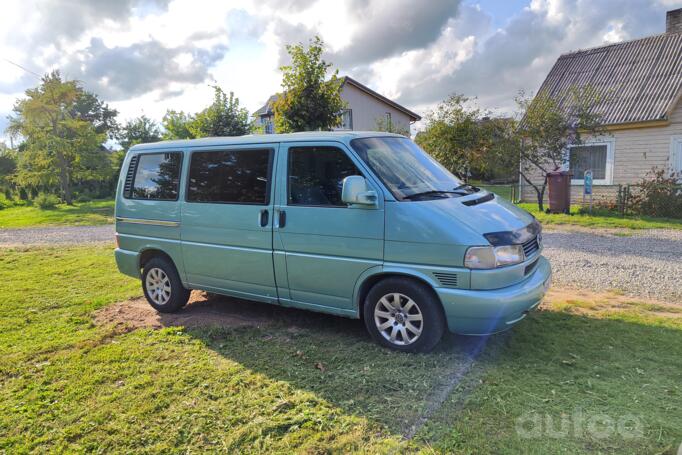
(673, 21)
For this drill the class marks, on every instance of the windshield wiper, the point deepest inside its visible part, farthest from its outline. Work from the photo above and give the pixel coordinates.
(428, 193)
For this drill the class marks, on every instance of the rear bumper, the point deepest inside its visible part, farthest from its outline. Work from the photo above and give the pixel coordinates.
(473, 312)
(127, 262)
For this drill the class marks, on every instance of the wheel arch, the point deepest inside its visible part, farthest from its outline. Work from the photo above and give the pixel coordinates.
(372, 276)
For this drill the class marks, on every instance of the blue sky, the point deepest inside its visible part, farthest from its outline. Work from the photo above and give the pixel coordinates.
(148, 56)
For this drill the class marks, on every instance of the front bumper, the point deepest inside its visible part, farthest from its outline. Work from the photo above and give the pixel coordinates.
(483, 312)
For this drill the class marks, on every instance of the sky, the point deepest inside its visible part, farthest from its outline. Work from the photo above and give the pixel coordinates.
(147, 56)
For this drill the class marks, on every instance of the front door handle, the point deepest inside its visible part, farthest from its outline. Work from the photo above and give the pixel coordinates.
(282, 218)
(263, 218)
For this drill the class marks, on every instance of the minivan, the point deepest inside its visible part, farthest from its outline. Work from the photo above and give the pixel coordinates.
(361, 225)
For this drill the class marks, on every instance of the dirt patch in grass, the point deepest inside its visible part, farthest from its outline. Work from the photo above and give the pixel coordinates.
(203, 310)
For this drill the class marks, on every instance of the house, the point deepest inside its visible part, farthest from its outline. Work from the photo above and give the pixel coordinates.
(641, 83)
(365, 108)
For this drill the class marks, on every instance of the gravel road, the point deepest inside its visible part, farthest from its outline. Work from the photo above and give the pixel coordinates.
(645, 263)
(65, 235)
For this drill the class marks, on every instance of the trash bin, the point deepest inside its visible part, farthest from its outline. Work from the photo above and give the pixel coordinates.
(559, 185)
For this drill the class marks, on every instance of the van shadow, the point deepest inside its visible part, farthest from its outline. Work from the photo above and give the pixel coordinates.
(332, 357)
(335, 359)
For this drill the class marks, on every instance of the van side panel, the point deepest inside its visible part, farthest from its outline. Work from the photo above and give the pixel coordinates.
(147, 224)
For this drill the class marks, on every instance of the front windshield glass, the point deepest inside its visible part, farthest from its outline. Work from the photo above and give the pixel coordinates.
(404, 167)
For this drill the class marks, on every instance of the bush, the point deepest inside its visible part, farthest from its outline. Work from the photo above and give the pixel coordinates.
(659, 194)
(83, 198)
(46, 201)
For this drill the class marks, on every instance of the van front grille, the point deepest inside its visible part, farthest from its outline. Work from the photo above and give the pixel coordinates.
(447, 279)
(128, 185)
(531, 247)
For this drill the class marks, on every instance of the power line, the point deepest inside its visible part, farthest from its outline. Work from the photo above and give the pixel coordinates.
(21, 67)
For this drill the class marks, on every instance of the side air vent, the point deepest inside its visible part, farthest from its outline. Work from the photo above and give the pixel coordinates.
(128, 185)
(481, 200)
(447, 279)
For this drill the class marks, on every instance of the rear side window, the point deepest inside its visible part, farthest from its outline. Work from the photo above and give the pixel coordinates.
(155, 176)
(316, 175)
(230, 176)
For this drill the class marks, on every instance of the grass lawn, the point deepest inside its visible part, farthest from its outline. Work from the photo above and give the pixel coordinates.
(86, 213)
(601, 220)
(318, 384)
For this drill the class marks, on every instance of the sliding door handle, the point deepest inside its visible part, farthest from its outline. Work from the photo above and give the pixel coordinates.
(263, 217)
(282, 218)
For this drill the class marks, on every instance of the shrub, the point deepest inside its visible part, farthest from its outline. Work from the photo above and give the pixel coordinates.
(83, 198)
(658, 194)
(46, 201)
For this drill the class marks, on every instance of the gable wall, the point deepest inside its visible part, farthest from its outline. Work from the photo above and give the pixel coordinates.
(367, 109)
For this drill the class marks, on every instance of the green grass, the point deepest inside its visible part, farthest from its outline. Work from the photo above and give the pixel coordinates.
(86, 213)
(314, 383)
(601, 219)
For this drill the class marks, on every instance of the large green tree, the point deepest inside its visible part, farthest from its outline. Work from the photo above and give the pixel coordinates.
(139, 130)
(61, 145)
(455, 135)
(311, 100)
(224, 117)
(549, 126)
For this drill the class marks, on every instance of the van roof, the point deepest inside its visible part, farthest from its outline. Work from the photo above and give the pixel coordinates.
(343, 136)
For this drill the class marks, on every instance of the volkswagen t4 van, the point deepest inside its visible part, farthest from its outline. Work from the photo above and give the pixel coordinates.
(362, 225)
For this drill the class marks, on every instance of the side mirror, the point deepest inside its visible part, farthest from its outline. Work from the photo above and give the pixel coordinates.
(356, 191)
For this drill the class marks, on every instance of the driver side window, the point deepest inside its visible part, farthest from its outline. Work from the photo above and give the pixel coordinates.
(315, 175)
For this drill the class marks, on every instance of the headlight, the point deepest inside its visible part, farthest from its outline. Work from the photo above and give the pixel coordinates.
(508, 255)
(480, 257)
(487, 257)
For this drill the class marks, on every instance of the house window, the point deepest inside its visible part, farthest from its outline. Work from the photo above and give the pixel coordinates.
(347, 119)
(594, 156)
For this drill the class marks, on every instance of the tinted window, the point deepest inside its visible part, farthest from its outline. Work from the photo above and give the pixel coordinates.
(157, 176)
(316, 175)
(232, 176)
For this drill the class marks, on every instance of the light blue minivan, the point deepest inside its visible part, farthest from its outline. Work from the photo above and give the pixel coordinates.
(362, 225)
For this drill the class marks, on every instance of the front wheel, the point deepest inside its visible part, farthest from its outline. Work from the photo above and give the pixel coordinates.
(404, 315)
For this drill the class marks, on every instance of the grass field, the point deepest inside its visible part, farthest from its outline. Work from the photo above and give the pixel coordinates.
(316, 383)
(601, 220)
(86, 213)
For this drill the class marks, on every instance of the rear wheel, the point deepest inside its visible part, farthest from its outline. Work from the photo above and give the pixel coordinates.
(162, 286)
(404, 315)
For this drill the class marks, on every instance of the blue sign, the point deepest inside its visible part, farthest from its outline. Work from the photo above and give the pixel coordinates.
(588, 182)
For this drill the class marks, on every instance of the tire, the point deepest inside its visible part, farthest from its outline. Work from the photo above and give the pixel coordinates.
(388, 320)
(162, 286)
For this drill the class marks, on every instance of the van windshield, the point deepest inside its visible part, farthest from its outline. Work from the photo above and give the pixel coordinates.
(405, 168)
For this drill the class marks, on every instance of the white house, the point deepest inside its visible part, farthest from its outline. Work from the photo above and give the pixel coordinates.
(365, 109)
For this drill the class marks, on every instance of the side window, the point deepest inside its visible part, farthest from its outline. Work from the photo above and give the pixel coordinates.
(156, 176)
(230, 176)
(315, 175)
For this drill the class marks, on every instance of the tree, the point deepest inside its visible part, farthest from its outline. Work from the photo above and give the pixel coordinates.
(454, 135)
(8, 166)
(309, 101)
(140, 130)
(224, 117)
(60, 146)
(552, 124)
(176, 125)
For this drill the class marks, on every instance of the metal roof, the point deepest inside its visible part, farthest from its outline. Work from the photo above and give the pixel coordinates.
(639, 80)
(340, 136)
